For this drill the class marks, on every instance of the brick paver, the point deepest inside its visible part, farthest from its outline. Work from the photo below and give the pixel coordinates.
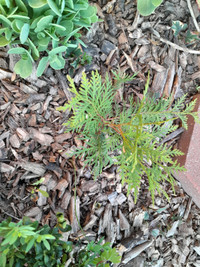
(189, 143)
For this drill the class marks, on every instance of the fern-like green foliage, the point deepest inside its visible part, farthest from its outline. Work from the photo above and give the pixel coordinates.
(128, 137)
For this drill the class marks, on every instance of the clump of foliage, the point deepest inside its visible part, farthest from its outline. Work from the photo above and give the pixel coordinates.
(76, 58)
(43, 25)
(131, 134)
(27, 244)
(147, 7)
(179, 29)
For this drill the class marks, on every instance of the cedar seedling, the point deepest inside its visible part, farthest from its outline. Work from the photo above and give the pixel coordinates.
(126, 136)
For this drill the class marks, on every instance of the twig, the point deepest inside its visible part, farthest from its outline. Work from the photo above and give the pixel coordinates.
(193, 16)
(178, 47)
(64, 84)
(8, 214)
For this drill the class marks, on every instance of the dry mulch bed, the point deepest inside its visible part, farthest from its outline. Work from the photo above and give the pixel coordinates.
(33, 143)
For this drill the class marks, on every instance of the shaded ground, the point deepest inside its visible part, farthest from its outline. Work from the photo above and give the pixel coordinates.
(33, 143)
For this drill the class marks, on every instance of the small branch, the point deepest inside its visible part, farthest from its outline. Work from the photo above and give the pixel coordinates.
(193, 16)
(64, 84)
(175, 46)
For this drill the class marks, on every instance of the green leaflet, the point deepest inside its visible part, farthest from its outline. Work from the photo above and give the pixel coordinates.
(37, 3)
(24, 67)
(43, 23)
(42, 65)
(24, 33)
(54, 7)
(3, 41)
(146, 7)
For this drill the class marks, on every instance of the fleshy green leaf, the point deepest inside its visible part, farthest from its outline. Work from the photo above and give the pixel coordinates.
(17, 50)
(146, 7)
(43, 23)
(24, 33)
(42, 65)
(57, 50)
(54, 7)
(3, 41)
(21, 6)
(4, 19)
(24, 67)
(57, 62)
(37, 3)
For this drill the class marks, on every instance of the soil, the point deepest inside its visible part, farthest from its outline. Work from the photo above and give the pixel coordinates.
(33, 143)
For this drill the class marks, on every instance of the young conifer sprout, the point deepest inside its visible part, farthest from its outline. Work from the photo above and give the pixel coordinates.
(128, 137)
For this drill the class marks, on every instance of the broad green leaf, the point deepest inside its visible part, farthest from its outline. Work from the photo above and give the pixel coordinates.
(37, 3)
(17, 50)
(20, 255)
(21, 6)
(57, 62)
(4, 19)
(24, 18)
(42, 65)
(3, 41)
(89, 12)
(70, 4)
(34, 49)
(43, 23)
(57, 26)
(94, 18)
(62, 6)
(3, 260)
(43, 43)
(156, 2)
(24, 33)
(8, 34)
(17, 25)
(57, 50)
(44, 193)
(47, 236)
(23, 67)
(8, 3)
(2, 10)
(53, 36)
(146, 7)
(68, 25)
(81, 6)
(54, 7)
(46, 243)
(11, 261)
(30, 245)
(12, 11)
(34, 22)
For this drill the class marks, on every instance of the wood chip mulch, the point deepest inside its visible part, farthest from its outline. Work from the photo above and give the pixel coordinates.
(33, 142)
